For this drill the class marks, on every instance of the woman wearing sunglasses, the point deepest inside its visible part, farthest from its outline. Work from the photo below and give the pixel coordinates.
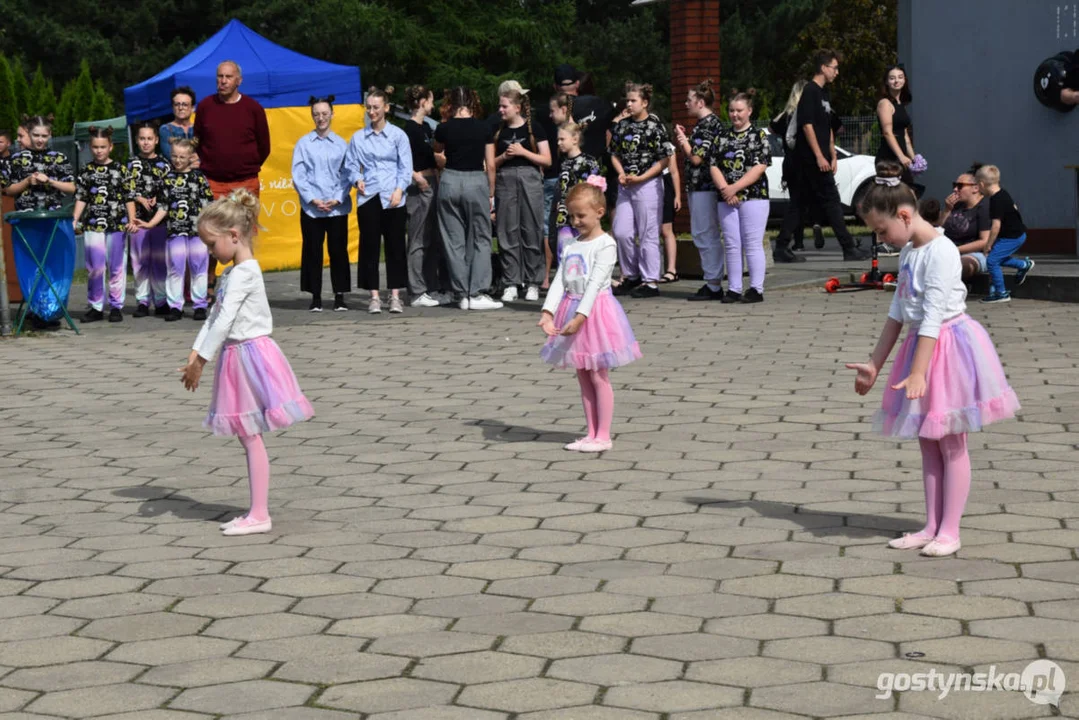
(966, 222)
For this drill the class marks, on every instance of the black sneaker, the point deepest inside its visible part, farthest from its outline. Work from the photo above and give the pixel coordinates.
(886, 250)
(706, 293)
(627, 286)
(786, 255)
(855, 253)
(752, 296)
(645, 291)
(818, 237)
(200, 314)
(141, 311)
(93, 316)
(798, 245)
(339, 302)
(115, 315)
(731, 297)
(1021, 275)
(316, 305)
(174, 314)
(161, 310)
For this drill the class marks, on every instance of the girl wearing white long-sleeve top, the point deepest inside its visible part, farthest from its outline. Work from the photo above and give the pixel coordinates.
(254, 388)
(586, 326)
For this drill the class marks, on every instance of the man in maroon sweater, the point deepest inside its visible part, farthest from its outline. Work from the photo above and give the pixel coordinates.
(233, 138)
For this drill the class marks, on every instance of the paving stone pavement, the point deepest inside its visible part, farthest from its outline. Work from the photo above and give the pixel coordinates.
(436, 555)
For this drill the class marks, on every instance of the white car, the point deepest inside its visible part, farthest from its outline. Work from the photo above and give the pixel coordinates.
(854, 173)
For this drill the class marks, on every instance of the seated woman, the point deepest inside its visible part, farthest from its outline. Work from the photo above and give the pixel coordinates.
(966, 222)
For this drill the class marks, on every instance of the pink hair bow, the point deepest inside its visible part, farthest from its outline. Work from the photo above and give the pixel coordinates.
(599, 181)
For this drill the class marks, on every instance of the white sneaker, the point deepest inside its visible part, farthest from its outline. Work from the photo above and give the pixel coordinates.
(425, 300)
(396, 306)
(532, 293)
(464, 303)
(483, 302)
(375, 306)
(509, 294)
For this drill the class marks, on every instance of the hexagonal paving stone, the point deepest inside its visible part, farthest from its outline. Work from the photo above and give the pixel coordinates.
(640, 624)
(478, 667)
(563, 644)
(207, 672)
(384, 625)
(429, 587)
(345, 668)
(442, 712)
(100, 700)
(693, 646)
(524, 695)
(173, 650)
(499, 569)
(969, 650)
(776, 586)
(615, 669)
(753, 672)
(832, 606)
(252, 695)
(72, 675)
(467, 605)
(710, 605)
(595, 603)
(233, 604)
(766, 627)
(589, 712)
(149, 626)
(661, 586)
(896, 627)
(386, 695)
(267, 626)
(50, 651)
(428, 644)
(673, 696)
(904, 586)
(514, 623)
(823, 699)
(828, 650)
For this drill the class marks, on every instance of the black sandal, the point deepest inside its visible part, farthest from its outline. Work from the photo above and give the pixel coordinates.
(669, 277)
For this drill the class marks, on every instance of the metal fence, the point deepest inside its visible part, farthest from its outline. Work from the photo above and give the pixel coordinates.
(860, 135)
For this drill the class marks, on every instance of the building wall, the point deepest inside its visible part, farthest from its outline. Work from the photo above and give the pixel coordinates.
(971, 65)
(694, 57)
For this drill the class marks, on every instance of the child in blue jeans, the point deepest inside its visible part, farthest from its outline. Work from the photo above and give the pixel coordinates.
(1007, 234)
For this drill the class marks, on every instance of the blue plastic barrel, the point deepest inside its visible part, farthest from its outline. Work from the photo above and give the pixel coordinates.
(49, 236)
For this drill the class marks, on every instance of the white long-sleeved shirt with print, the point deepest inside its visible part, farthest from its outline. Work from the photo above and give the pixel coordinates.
(930, 288)
(241, 311)
(584, 271)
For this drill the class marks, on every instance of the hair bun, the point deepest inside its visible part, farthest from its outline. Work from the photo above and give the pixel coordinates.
(889, 169)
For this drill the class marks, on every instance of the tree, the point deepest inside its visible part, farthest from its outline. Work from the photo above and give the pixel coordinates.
(21, 87)
(82, 97)
(46, 101)
(102, 108)
(38, 87)
(9, 117)
(65, 110)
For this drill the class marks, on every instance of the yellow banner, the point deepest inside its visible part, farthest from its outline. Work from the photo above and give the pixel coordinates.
(278, 246)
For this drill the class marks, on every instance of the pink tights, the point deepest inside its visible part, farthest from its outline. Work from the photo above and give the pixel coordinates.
(946, 472)
(597, 396)
(258, 475)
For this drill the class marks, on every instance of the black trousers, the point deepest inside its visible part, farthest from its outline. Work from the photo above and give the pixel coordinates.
(377, 224)
(334, 231)
(814, 194)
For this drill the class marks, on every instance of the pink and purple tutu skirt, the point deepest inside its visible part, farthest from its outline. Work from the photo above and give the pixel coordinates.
(604, 341)
(255, 390)
(965, 386)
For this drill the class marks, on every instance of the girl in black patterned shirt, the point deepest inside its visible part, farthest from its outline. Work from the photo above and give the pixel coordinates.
(105, 210)
(639, 152)
(145, 177)
(576, 168)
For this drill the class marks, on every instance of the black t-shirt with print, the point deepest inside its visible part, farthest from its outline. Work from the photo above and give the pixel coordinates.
(104, 189)
(736, 153)
(52, 163)
(964, 224)
(145, 177)
(1003, 208)
(420, 138)
(701, 140)
(639, 144)
(184, 196)
(465, 141)
(598, 113)
(573, 171)
(519, 136)
(815, 108)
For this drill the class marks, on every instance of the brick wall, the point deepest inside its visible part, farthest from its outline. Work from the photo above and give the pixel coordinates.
(694, 57)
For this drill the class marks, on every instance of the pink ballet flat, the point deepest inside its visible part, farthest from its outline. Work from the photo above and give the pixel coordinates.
(939, 548)
(576, 444)
(247, 526)
(595, 446)
(910, 541)
(233, 521)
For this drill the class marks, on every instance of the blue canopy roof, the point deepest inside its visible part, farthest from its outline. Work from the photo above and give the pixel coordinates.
(273, 75)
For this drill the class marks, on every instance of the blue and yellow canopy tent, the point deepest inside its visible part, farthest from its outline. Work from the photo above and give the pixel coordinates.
(282, 81)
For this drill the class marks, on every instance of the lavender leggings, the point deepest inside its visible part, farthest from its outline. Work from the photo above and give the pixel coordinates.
(183, 252)
(637, 215)
(149, 266)
(105, 251)
(743, 227)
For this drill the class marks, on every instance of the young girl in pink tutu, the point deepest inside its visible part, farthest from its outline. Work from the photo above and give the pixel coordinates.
(586, 326)
(254, 388)
(947, 379)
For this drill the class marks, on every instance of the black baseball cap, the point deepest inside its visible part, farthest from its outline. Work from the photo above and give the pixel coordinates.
(566, 73)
